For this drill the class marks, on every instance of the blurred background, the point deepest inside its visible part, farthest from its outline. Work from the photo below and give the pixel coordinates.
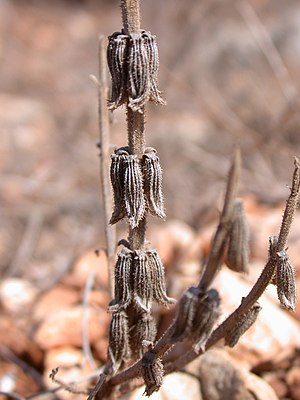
(229, 72)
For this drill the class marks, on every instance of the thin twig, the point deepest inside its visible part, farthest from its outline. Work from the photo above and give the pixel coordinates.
(218, 244)
(131, 15)
(267, 46)
(27, 245)
(110, 230)
(85, 315)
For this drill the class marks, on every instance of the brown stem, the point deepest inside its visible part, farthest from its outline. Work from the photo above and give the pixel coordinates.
(131, 15)
(218, 244)
(110, 230)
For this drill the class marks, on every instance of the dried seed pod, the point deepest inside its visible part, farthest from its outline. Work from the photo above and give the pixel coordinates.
(123, 284)
(186, 311)
(153, 183)
(139, 82)
(144, 332)
(117, 180)
(238, 240)
(285, 281)
(133, 191)
(152, 372)
(142, 281)
(118, 349)
(158, 279)
(153, 62)
(117, 63)
(206, 315)
(241, 325)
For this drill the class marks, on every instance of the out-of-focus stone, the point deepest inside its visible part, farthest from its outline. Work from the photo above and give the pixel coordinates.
(17, 295)
(18, 343)
(54, 299)
(172, 241)
(176, 386)
(276, 379)
(258, 387)
(293, 381)
(87, 263)
(220, 378)
(64, 327)
(274, 330)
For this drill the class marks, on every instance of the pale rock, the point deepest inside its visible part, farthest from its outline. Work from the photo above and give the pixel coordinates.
(17, 295)
(260, 389)
(176, 386)
(54, 299)
(274, 330)
(64, 327)
(88, 263)
(220, 377)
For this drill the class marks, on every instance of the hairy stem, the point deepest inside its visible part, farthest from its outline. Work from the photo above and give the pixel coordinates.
(131, 15)
(218, 244)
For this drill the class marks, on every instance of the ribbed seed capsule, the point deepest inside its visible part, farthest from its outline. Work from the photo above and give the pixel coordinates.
(241, 325)
(118, 349)
(238, 240)
(117, 64)
(123, 284)
(139, 82)
(117, 180)
(158, 279)
(153, 62)
(153, 183)
(152, 372)
(206, 315)
(144, 331)
(285, 281)
(133, 190)
(186, 311)
(142, 281)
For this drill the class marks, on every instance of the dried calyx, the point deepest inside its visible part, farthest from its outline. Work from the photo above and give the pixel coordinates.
(133, 64)
(152, 372)
(137, 186)
(197, 314)
(237, 252)
(139, 277)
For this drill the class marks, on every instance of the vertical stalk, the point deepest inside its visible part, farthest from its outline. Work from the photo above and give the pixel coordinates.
(135, 120)
(131, 15)
(110, 230)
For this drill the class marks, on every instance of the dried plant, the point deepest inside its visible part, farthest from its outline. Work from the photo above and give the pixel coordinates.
(136, 178)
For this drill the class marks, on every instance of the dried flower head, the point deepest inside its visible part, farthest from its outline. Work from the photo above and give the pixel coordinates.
(152, 372)
(241, 325)
(142, 281)
(238, 240)
(123, 278)
(144, 332)
(186, 311)
(153, 182)
(117, 180)
(133, 191)
(117, 64)
(133, 64)
(206, 315)
(158, 279)
(153, 60)
(118, 349)
(127, 182)
(285, 281)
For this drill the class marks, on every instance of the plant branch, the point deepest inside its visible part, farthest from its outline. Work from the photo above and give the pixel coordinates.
(131, 15)
(219, 240)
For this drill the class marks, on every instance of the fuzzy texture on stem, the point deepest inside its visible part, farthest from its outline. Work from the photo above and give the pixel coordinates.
(131, 15)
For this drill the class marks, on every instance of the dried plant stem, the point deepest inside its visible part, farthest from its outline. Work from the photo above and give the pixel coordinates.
(262, 282)
(131, 15)
(110, 230)
(218, 244)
